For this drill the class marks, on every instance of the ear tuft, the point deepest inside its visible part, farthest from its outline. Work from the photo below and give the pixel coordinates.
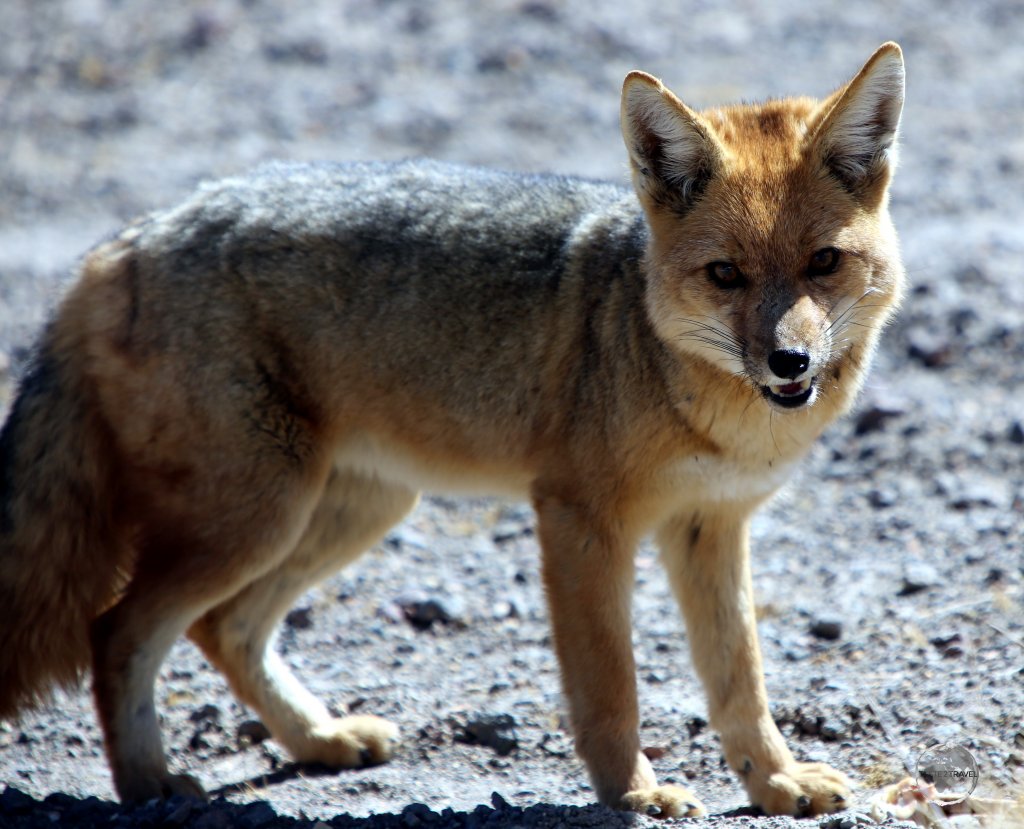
(672, 153)
(857, 138)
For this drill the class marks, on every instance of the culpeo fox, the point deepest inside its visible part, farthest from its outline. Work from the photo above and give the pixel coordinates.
(243, 393)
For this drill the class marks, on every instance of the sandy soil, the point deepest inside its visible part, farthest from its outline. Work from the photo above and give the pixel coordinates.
(903, 530)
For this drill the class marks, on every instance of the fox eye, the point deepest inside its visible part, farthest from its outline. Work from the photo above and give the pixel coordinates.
(725, 275)
(823, 262)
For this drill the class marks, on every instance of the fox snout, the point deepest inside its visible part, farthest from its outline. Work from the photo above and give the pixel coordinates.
(793, 351)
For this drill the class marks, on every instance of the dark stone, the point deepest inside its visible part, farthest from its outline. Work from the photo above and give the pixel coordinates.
(918, 576)
(873, 419)
(423, 614)
(826, 628)
(300, 619)
(1015, 434)
(252, 732)
(496, 731)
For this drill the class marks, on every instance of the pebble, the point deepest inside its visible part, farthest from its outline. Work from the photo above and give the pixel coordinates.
(252, 732)
(496, 731)
(509, 530)
(209, 713)
(882, 498)
(423, 614)
(930, 349)
(874, 418)
(827, 628)
(1015, 434)
(301, 618)
(918, 576)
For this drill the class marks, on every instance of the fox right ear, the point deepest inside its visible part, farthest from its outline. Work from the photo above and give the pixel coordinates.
(672, 153)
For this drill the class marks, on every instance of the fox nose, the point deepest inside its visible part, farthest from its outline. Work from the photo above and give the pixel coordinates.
(789, 363)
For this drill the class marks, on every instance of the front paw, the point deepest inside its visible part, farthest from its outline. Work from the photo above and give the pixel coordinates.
(663, 802)
(799, 790)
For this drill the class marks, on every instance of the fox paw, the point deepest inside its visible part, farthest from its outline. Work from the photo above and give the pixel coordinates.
(663, 802)
(350, 742)
(800, 790)
(142, 789)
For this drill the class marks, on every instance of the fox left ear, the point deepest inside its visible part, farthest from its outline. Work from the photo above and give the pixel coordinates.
(856, 132)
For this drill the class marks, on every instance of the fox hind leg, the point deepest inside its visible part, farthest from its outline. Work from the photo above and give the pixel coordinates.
(193, 553)
(237, 635)
(179, 575)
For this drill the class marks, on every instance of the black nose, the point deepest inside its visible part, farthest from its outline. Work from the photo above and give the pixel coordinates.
(789, 363)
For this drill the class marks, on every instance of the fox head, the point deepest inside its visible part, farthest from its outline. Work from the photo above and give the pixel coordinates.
(772, 256)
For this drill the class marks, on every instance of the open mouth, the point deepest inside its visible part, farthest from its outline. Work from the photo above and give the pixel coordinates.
(790, 395)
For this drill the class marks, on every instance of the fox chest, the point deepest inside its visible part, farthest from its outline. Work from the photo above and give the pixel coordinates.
(701, 478)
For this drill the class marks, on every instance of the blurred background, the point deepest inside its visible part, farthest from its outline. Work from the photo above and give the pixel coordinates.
(109, 108)
(903, 536)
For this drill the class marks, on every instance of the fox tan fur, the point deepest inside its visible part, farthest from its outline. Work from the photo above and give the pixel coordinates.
(242, 394)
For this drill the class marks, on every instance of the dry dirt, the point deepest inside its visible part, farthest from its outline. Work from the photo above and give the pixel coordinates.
(902, 535)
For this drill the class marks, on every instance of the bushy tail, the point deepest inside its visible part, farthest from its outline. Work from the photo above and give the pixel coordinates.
(61, 557)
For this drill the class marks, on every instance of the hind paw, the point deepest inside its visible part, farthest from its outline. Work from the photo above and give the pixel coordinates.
(350, 742)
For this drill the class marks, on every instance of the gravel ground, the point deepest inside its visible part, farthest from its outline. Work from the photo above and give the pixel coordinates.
(890, 574)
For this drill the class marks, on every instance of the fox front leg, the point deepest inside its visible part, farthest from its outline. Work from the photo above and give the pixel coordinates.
(588, 573)
(707, 559)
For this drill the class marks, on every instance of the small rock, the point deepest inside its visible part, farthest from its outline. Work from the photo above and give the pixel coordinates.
(654, 752)
(423, 614)
(496, 731)
(508, 530)
(810, 726)
(300, 619)
(695, 725)
(556, 745)
(930, 349)
(918, 576)
(209, 713)
(827, 628)
(406, 536)
(882, 498)
(971, 491)
(498, 802)
(873, 419)
(1015, 434)
(504, 610)
(944, 640)
(252, 732)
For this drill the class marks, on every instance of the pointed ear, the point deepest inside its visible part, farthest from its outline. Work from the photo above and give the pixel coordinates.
(857, 126)
(672, 152)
